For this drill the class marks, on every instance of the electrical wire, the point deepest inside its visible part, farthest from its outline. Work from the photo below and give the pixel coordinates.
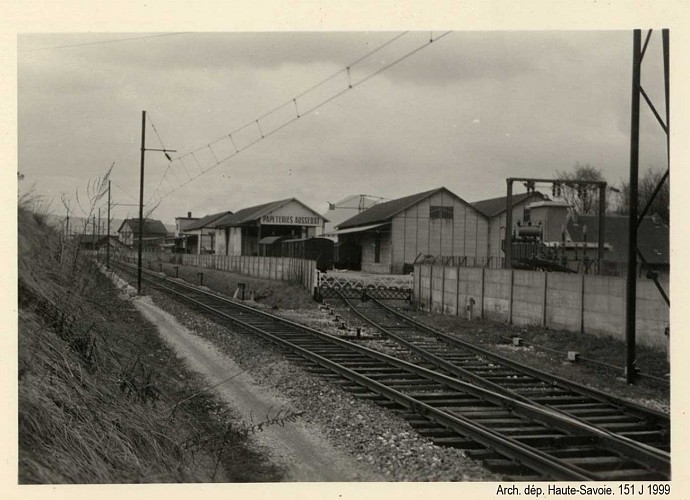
(159, 194)
(114, 40)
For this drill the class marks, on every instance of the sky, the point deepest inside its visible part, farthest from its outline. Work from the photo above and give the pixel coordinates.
(465, 112)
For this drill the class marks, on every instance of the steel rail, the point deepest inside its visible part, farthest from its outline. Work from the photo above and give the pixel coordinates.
(531, 457)
(550, 378)
(622, 444)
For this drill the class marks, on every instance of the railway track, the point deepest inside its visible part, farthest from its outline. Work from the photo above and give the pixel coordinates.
(519, 439)
(474, 364)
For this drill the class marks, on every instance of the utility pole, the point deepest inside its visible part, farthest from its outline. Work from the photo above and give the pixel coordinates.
(631, 295)
(141, 200)
(93, 232)
(107, 245)
(98, 235)
(141, 194)
(67, 224)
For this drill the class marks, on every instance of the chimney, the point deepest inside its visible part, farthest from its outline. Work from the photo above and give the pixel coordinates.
(189, 215)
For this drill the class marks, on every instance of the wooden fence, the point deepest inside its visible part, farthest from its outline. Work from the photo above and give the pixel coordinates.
(276, 268)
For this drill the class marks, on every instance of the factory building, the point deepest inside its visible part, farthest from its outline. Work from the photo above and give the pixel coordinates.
(390, 236)
(495, 210)
(242, 233)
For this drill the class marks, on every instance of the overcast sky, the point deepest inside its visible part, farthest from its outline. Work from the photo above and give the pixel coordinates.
(465, 112)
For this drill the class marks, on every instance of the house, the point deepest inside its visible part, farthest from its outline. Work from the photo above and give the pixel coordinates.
(153, 231)
(111, 241)
(652, 242)
(181, 223)
(345, 209)
(390, 236)
(199, 236)
(495, 210)
(241, 233)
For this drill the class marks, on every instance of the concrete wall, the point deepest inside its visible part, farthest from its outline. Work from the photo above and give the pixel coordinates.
(572, 302)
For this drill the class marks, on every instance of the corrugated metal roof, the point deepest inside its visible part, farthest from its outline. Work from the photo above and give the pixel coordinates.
(382, 212)
(206, 221)
(494, 206)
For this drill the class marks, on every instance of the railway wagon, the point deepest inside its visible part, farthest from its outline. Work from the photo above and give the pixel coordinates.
(318, 249)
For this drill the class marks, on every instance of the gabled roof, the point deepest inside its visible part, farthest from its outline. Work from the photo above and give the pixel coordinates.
(652, 238)
(206, 221)
(151, 226)
(382, 212)
(494, 206)
(254, 213)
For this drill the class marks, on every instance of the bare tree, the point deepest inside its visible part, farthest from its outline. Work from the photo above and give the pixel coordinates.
(645, 188)
(583, 199)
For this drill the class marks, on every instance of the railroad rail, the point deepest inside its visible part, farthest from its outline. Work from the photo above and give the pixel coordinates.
(498, 373)
(518, 439)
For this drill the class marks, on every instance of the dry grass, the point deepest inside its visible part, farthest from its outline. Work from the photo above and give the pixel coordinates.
(97, 386)
(275, 294)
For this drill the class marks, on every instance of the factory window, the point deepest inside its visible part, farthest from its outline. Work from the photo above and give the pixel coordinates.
(377, 248)
(436, 212)
(526, 215)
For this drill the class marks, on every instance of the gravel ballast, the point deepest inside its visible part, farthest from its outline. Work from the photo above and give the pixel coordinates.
(386, 446)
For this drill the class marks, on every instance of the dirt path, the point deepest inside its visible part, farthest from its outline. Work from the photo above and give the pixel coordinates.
(304, 454)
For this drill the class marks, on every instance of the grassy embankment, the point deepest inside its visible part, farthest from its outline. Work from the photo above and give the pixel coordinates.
(101, 398)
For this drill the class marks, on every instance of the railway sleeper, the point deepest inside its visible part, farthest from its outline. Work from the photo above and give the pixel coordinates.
(634, 474)
(507, 466)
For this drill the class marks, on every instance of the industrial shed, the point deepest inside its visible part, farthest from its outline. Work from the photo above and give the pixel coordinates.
(495, 210)
(389, 236)
(240, 233)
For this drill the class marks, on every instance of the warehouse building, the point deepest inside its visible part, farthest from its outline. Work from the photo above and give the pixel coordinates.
(390, 236)
(243, 232)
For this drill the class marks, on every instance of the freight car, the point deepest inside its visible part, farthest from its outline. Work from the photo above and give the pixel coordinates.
(318, 249)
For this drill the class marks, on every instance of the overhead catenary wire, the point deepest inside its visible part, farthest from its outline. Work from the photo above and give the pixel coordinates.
(100, 42)
(159, 193)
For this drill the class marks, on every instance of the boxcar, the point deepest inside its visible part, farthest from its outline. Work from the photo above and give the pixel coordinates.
(318, 249)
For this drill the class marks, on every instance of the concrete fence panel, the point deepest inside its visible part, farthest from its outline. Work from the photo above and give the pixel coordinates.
(604, 305)
(470, 286)
(437, 288)
(497, 294)
(529, 297)
(450, 291)
(424, 287)
(650, 319)
(564, 301)
(573, 302)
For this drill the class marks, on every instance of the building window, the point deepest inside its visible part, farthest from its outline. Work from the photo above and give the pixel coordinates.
(377, 248)
(525, 215)
(436, 212)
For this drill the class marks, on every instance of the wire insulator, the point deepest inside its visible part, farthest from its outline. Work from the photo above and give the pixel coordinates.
(233, 143)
